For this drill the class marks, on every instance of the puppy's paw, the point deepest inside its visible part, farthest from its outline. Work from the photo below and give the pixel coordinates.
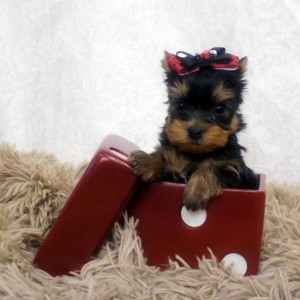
(144, 165)
(195, 198)
(194, 201)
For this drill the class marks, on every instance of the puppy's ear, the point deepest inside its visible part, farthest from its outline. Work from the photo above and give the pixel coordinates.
(164, 63)
(243, 66)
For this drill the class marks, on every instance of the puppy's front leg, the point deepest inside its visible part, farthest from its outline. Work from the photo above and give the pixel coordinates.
(149, 166)
(201, 187)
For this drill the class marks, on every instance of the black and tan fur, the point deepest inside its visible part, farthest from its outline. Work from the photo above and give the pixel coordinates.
(198, 142)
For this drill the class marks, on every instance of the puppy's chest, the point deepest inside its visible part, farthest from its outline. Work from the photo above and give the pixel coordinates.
(179, 166)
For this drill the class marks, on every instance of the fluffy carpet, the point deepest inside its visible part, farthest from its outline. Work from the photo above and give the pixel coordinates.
(34, 187)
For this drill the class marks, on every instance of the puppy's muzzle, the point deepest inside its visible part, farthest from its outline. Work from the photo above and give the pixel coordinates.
(194, 133)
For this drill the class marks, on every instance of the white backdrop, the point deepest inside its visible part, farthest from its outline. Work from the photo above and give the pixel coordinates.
(73, 71)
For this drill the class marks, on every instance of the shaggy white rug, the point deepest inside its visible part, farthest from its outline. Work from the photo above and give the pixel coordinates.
(34, 187)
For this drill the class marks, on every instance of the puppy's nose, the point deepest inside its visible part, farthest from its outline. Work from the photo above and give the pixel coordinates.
(194, 133)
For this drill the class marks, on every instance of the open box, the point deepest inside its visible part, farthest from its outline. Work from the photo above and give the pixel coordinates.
(231, 227)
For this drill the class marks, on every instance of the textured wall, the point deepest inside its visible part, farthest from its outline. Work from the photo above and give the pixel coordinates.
(73, 71)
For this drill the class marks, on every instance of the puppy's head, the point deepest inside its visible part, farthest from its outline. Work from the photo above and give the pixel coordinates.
(203, 107)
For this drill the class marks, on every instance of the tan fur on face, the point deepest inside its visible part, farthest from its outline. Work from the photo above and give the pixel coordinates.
(214, 137)
(179, 89)
(234, 125)
(222, 93)
(177, 131)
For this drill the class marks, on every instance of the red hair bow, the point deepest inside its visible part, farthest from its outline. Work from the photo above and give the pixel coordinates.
(216, 58)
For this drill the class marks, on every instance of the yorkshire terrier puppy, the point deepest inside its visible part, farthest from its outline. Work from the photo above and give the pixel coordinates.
(198, 142)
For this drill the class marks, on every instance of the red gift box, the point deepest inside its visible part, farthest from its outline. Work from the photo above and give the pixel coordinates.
(231, 226)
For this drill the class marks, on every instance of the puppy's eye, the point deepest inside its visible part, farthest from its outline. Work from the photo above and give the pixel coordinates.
(180, 105)
(220, 109)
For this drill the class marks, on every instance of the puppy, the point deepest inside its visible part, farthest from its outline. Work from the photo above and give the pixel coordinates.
(198, 142)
